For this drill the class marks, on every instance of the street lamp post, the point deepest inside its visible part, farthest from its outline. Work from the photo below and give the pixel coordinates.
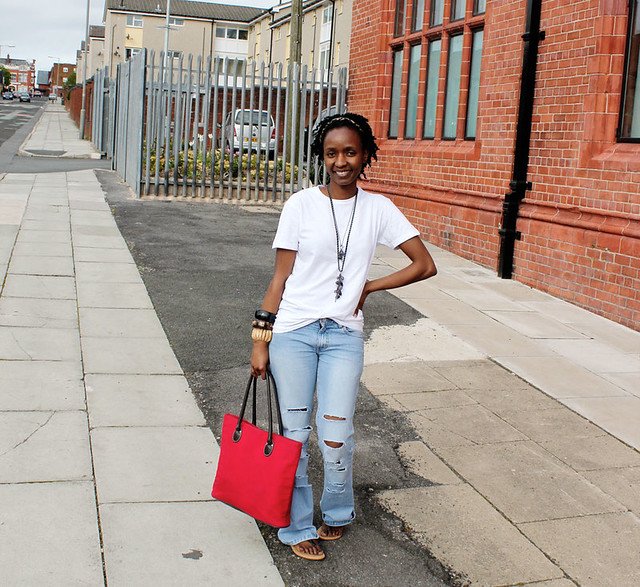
(83, 111)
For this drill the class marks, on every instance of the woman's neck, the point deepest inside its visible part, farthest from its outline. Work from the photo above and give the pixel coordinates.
(338, 192)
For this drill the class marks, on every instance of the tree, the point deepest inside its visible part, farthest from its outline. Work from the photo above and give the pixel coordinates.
(69, 84)
(5, 76)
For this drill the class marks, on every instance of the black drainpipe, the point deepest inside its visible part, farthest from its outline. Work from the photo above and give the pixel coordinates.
(519, 183)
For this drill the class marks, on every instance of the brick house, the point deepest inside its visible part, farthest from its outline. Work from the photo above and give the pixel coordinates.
(23, 73)
(444, 85)
(58, 75)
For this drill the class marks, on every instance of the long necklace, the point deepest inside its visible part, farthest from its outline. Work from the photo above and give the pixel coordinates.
(341, 252)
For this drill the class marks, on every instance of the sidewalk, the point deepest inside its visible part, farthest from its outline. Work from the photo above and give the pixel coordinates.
(106, 462)
(56, 136)
(526, 411)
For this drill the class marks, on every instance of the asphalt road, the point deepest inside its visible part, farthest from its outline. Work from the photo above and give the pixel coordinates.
(206, 267)
(17, 119)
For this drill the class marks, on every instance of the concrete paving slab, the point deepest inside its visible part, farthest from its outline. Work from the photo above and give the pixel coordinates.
(44, 446)
(145, 356)
(184, 544)
(104, 242)
(39, 344)
(485, 299)
(601, 452)
(417, 291)
(41, 265)
(43, 236)
(629, 381)
(593, 550)
(474, 422)
(49, 534)
(38, 313)
(435, 435)
(107, 272)
(404, 377)
(526, 483)
(617, 415)
(423, 341)
(112, 295)
(91, 204)
(543, 425)
(519, 399)
(98, 231)
(427, 400)
(40, 286)
(478, 375)
(450, 311)
(596, 356)
(622, 484)
(497, 340)
(619, 337)
(168, 464)
(61, 225)
(420, 460)
(534, 325)
(27, 249)
(141, 400)
(96, 255)
(559, 377)
(41, 393)
(461, 529)
(516, 291)
(122, 323)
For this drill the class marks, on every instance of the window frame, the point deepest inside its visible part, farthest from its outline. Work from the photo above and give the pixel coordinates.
(135, 18)
(466, 28)
(633, 4)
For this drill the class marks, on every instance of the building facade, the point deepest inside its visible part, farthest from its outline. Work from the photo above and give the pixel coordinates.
(95, 53)
(326, 34)
(441, 84)
(59, 75)
(23, 73)
(196, 28)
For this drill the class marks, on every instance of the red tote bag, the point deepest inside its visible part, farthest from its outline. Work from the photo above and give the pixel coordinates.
(256, 468)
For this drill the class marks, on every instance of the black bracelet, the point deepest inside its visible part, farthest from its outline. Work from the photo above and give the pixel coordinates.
(266, 316)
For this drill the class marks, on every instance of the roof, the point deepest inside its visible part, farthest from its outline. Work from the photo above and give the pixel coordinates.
(96, 31)
(186, 8)
(14, 62)
(42, 77)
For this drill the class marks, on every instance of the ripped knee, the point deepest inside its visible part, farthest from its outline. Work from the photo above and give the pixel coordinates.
(333, 443)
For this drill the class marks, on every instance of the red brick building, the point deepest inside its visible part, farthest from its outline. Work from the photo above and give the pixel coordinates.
(23, 73)
(441, 82)
(58, 76)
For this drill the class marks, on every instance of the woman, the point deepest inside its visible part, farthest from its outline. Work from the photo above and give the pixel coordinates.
(325, 243)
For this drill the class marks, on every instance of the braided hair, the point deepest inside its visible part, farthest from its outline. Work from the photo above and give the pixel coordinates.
(351, 120)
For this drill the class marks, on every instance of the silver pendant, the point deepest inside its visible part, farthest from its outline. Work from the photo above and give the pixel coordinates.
(341, 254)
(339, 283)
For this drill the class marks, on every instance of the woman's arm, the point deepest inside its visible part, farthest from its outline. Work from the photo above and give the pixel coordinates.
(421, 267)
(271, 302)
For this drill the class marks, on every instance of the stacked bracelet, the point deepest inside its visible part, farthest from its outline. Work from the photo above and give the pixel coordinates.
(262, 326)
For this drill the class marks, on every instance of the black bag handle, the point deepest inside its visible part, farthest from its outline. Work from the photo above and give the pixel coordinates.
(252, 387)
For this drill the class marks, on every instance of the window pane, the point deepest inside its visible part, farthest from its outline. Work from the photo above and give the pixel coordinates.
(418, 15)
(221, 32)
(437, 12)
(631, 106)
(452, 96)
(431, 97)
(232, 33)
(412, 92)
(458, 8)
(395, 93)
(479, 6)
(242, 34)
(474, 84)
(401, 10)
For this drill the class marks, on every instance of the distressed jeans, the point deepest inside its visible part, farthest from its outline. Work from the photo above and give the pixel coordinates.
(327, 358)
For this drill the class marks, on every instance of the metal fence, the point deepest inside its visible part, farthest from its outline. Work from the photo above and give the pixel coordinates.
(218, 128)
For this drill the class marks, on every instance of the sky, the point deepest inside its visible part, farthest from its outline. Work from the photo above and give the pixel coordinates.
(51, 31)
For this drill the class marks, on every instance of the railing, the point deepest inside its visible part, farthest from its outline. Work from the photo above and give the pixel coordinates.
(218, 128)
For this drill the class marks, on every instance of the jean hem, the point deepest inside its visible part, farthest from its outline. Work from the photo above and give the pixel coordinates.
(306, 535)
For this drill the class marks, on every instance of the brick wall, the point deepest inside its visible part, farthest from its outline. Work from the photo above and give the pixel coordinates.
(581, 222)
(74, 104)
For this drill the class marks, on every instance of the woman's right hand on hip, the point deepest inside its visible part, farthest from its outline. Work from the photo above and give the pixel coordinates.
(260, 359)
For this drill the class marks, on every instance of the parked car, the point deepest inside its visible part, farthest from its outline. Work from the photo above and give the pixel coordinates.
(24, 97)
(7, 95)
(52, 97)
(37, 93)
(256, 127)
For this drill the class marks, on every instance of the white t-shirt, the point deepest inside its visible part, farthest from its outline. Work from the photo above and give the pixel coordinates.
(306, 226)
